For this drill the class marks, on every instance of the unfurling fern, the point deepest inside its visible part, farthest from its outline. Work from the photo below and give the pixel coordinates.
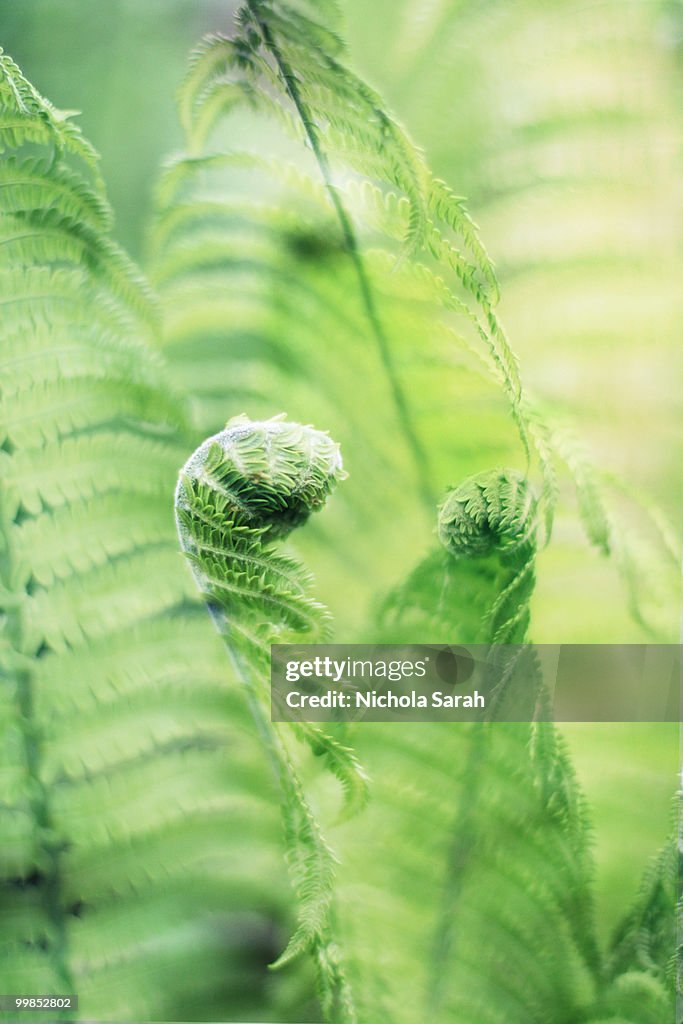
(492, 516)
(242, 489)
(576, 196)
(240, 492)
(488, 527)
(476, 586)
(289, 274)
(498, 891)
(509, 919)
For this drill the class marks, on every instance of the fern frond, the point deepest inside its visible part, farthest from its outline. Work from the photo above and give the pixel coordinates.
(127, 772)
(464, 856)
(280, 63)
(29, 117)
(493, 516)
(77, 538)
(33, 184)
(274, 38)
(57, 410)
(507, 822)
(633, 529)
(576, 194)
(79, 468)
(26, 360)
(240, 492)
(645, 940)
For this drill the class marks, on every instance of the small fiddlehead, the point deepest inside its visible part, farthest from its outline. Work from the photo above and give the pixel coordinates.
(475, 587)
(492, 516)
(241, 492)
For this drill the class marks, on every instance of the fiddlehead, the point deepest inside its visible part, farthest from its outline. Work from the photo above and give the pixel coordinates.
(240, 492)
(476, 586)
(492, 516)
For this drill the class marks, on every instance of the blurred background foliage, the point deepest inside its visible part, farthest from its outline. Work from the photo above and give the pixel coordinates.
(561, 125)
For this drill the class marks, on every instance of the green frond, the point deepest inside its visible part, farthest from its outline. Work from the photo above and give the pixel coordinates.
(645, 940)
(637, 998)
(29, 117)
(44, 292)
(500, 916)
(632, 529)
(486, 965)
(26, 360)
(283, 65)
(81, 467)
(588, 490)
(34, 184)
(223, 288)
(56, 410)
(76, 538)
(105, 600)
(340, 759)
(142, 861)
(576, 196)
(242, 491)
(173, 650)
(129, 773)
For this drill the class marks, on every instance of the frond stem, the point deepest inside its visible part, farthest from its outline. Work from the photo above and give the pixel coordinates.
(351, 244)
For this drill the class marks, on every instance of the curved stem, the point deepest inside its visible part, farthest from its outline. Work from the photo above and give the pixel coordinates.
(351, 243)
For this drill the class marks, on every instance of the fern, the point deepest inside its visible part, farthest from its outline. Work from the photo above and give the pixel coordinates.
(239, 492)
(510, 919)
(642, 964)
(27, 117)
(239, 323)
(230, 224)
(478, 583)
(141, 862)
(492, 901)
(129, 780)
(365, 173)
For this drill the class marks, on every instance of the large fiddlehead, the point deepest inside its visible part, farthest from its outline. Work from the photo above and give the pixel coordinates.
(242, 491)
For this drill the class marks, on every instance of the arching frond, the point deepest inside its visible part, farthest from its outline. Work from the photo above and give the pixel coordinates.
(130, 778)
(359, 178)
